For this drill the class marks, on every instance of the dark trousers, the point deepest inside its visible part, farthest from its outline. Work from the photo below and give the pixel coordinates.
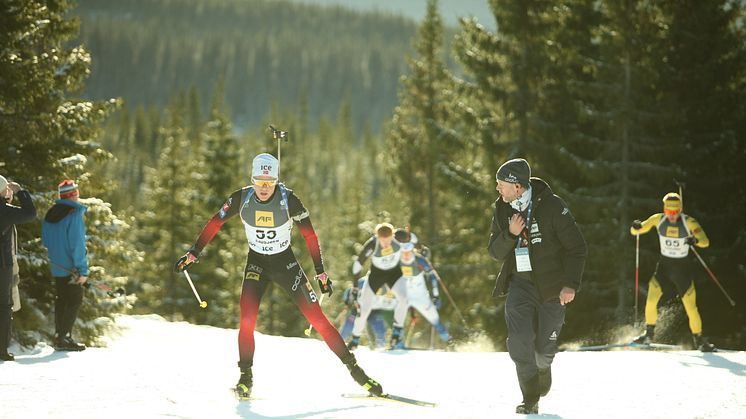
(66, 304)
(6, 305)
(533, 331)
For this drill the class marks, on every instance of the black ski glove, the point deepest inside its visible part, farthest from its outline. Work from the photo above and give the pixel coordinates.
(637, 224)
(185, 262)
(325, 283)
(691, 240)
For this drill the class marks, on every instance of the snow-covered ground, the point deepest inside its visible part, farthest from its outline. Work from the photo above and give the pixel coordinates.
(160, 369)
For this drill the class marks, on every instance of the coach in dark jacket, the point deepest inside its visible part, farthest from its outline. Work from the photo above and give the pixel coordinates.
(10, 215)
(543, 253)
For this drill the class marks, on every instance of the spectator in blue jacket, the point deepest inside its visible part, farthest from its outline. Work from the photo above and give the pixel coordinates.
(10, 215)
(63, 233)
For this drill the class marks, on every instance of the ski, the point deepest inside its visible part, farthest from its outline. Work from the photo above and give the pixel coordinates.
(657, 346)
(389, 397)
(632, 345)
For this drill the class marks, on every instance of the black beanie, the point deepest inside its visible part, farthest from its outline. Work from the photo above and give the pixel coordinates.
(514, 171)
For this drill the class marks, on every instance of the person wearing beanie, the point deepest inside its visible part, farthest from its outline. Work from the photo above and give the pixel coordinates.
(63, 233)
(543, 254)
(10, 215)
(268, 211)
(676, 232)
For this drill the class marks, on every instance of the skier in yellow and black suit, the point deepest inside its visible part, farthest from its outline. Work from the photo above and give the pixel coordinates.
(676, 231)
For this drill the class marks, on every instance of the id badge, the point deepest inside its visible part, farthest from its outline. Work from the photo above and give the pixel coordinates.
(522, 261)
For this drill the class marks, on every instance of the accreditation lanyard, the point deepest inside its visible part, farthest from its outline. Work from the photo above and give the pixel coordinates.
(522, 260)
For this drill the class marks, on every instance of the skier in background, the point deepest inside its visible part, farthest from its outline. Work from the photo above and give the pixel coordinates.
(676, 232)
(384, 252)
(414, 268)
(379, 320)
(268, 210)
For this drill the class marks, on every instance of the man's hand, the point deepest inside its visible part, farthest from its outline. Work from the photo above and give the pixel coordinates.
(184, 262)
(691, 240)
(566, 295)
(82, 280)
(517, 224)
(325, 283)
(637, 224)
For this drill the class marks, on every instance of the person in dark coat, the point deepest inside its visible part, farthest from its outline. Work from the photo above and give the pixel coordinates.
(543, 254)
(10, 215)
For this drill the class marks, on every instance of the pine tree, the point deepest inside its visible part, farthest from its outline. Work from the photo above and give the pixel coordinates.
(46, 135)
(168, 223)
(702, 88)
(220, 173)
(435, 168)
(420, 140)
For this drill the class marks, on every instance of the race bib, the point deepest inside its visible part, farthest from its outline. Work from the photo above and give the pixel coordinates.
(674, 247)
(269, 241)
(522, 261)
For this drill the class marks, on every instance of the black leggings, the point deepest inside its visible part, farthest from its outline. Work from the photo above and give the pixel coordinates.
(66, 304)
(285, 271)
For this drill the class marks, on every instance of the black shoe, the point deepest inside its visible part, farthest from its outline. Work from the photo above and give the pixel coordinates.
(701, 343)
(7, 356)
(362, 378)
(647, 337)
(545, 380)
(527, 408)
(245, 384)
(67, 343)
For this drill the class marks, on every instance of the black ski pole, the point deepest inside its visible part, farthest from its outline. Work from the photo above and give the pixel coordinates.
(448, 294)
(278, 135)
(712, 276)
(74, 274)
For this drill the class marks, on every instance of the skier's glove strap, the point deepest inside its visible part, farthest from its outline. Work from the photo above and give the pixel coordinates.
(185, 262)
(325, 283)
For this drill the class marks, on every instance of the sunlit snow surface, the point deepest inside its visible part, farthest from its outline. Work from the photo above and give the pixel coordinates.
(160, 369)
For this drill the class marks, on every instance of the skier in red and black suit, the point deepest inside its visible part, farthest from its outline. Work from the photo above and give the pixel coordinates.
(268, 210)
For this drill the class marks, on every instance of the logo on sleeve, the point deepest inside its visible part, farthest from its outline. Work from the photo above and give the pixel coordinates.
(226, 207)
(264, 219)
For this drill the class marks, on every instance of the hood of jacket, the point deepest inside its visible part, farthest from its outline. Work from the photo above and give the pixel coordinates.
(61, 209)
